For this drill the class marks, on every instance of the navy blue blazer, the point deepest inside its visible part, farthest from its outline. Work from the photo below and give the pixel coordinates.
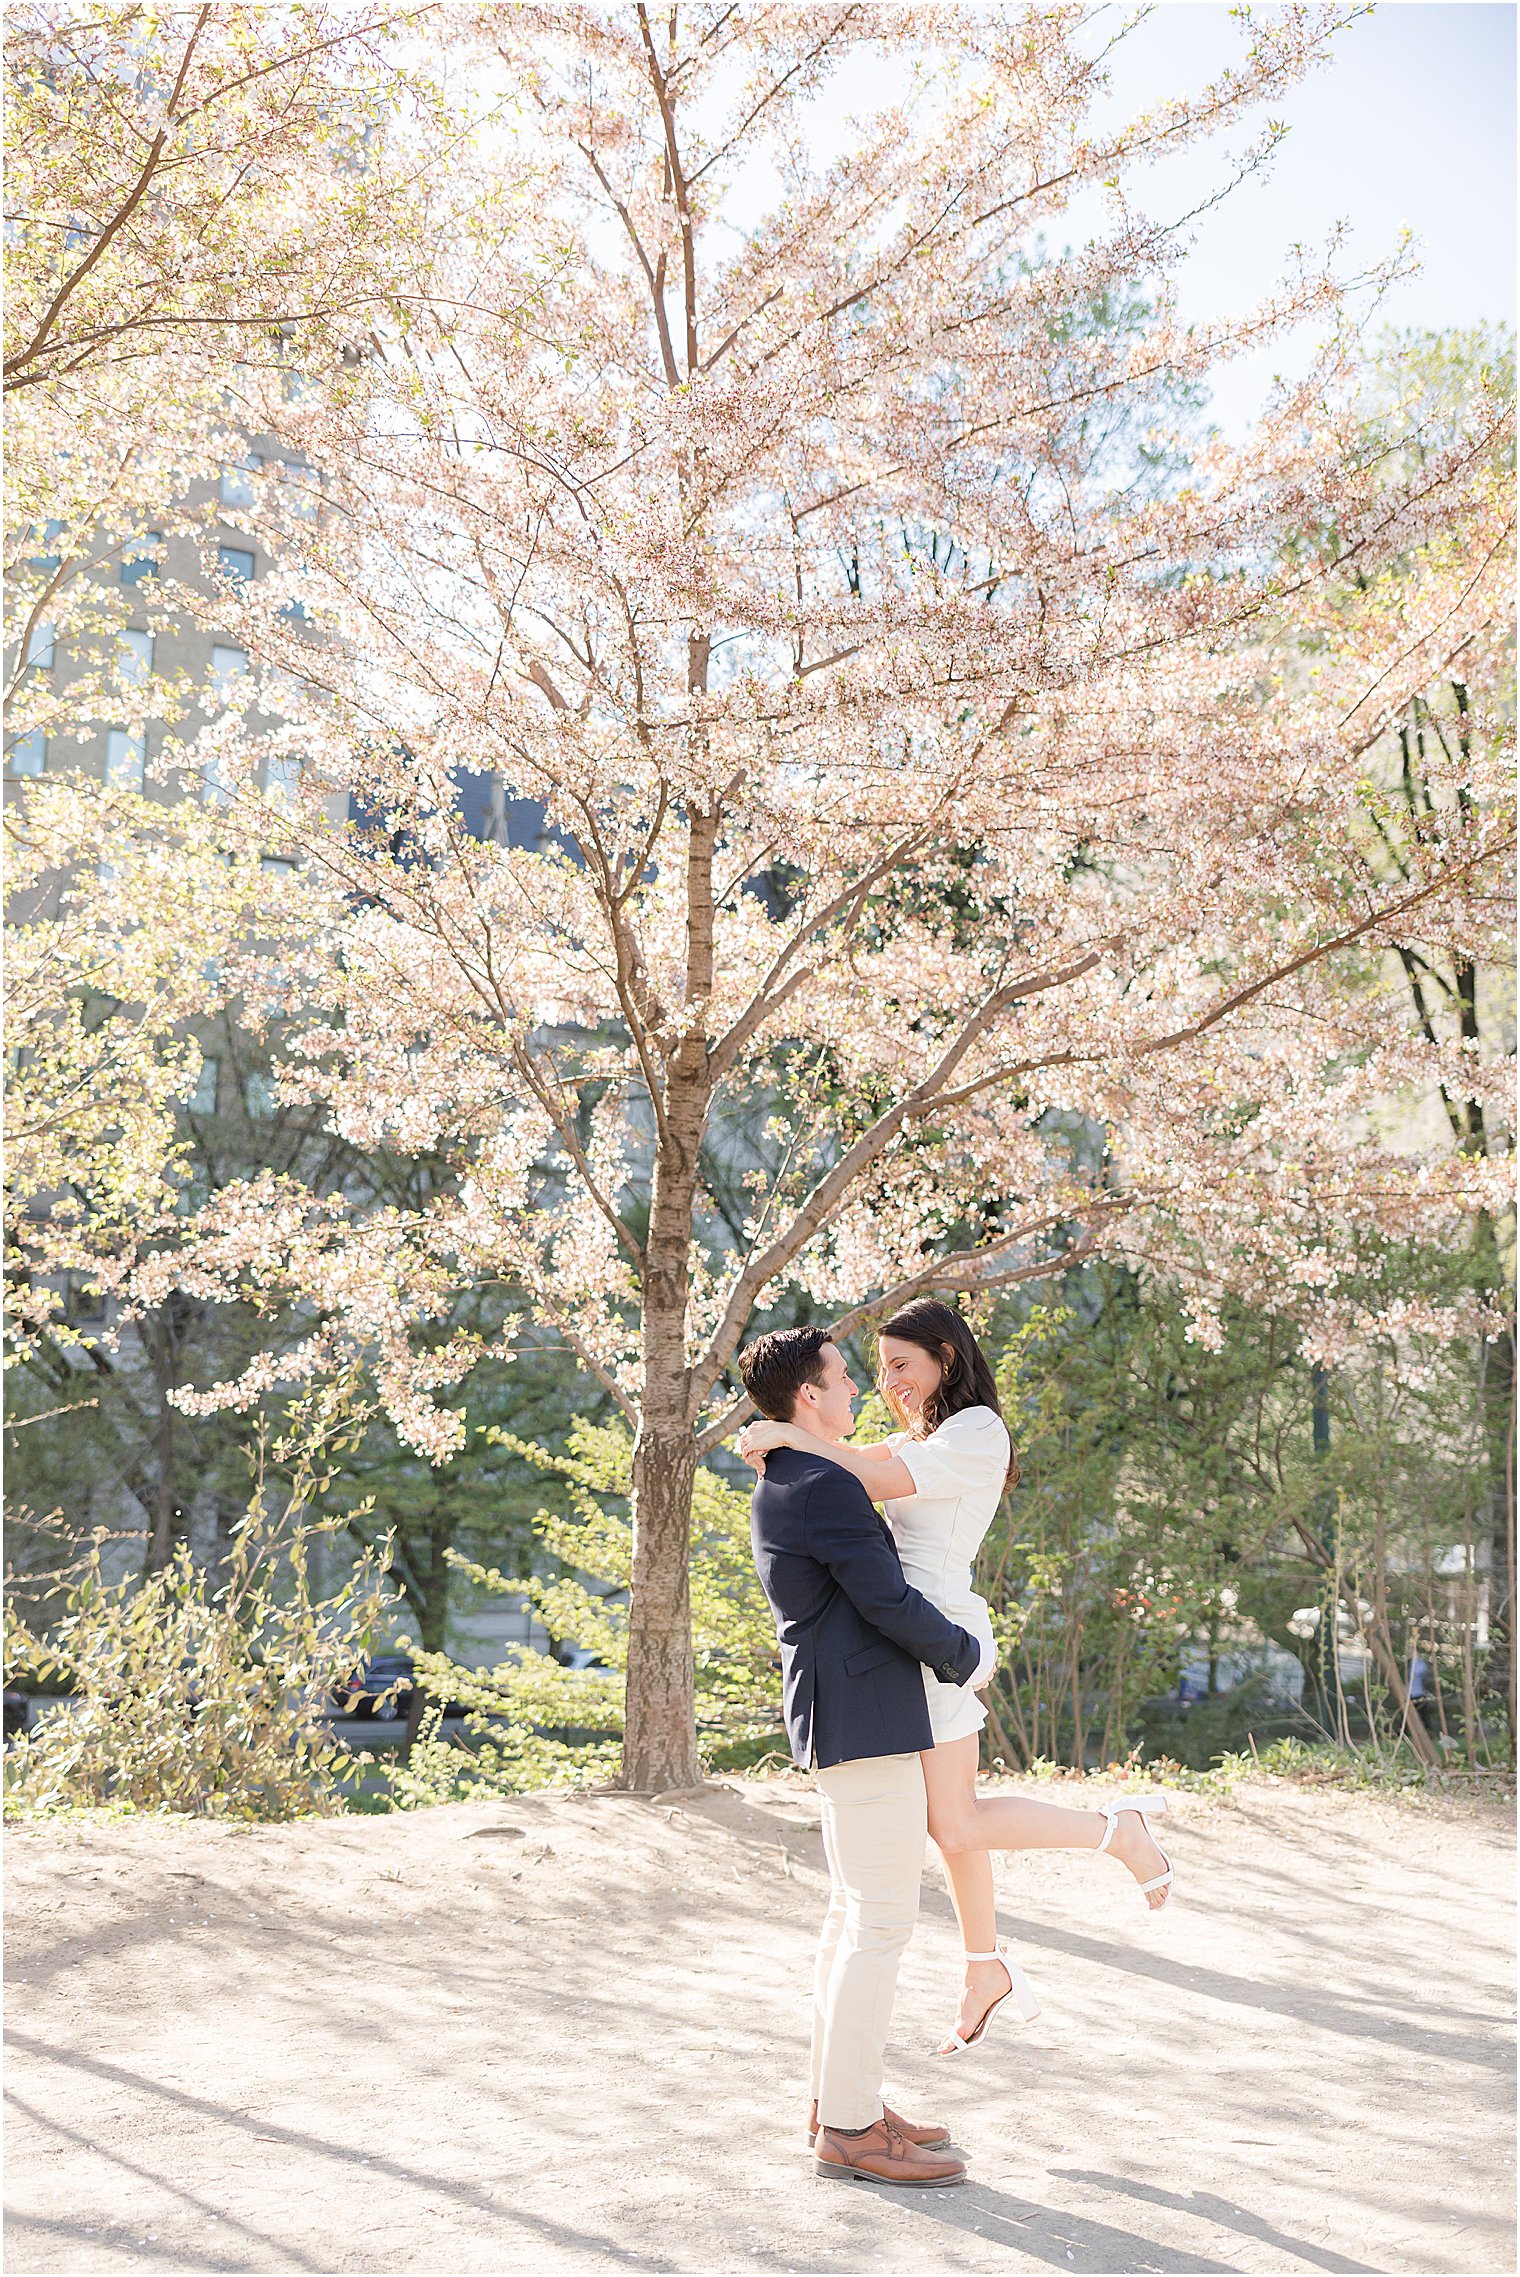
(852, 1631)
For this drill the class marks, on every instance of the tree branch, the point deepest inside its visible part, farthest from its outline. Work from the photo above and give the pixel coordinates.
(119, 219)
(770, 995)
(678, 182)
(544, 1093)
(961, 1270)
(608, 1381)
(831, 1188)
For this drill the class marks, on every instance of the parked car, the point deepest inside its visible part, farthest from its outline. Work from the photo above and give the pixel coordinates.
(578, 1656)
(382, 1685)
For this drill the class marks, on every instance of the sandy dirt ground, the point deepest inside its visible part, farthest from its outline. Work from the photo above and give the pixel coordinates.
(570, 2034)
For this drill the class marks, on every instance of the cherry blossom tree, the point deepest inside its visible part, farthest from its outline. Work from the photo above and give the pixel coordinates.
(190, 192)
(922, 779)
(193, 181)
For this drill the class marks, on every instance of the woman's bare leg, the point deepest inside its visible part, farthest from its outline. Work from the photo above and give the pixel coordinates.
(969, 1873)
(960, 1819)
(966, 1826)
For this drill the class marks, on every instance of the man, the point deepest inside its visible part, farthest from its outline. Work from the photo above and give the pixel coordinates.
(852, 1634)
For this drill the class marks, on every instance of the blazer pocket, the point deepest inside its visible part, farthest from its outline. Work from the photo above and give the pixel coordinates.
(869, 1656)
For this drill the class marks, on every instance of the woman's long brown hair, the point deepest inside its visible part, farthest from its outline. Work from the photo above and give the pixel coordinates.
(967, 1380)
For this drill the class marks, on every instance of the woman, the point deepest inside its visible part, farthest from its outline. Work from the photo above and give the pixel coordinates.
(940, 1478)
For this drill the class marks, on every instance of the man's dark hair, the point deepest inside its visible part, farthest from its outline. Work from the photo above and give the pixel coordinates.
(774, 1368)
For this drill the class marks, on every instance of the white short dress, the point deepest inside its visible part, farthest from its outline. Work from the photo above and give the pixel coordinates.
(959, 1471)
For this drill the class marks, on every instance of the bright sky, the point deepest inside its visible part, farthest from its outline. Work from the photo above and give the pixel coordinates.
(1412, 125)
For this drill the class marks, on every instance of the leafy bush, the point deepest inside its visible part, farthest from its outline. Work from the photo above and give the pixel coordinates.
(1287, 1761)
(191, 1692)
(1185, 1500)
(1200, 1732)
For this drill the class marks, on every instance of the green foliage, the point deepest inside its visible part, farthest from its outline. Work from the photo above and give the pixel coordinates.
(1178, 1498)
(1089, 1599)
(1288, 1761)
(533, 1723)
(482, 1502)
(190, 1692)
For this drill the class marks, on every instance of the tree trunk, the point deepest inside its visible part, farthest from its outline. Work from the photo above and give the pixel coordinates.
(164, 1349)
(161, 1541)
(660, 1732)
(1499, 1418)
(1322, 1661)
(417, 1705)
(660, 1736)
(1380, 1637)
(999, 1747)
(427, 1594)
(1379, 1633)
(434, 1574)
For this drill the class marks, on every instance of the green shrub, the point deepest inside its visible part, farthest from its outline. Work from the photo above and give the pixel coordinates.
(190, 1692)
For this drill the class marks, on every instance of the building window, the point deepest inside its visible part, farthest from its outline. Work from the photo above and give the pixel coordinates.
(295, 613)
(134, 658)
(259, 1097)
(236, 563)
(282, 779)
(215, 788)
(86, 1303)
(39, 649)
(125, 754)
(303, 489)
(227, 664)
(28, 754)
(139, 558)
(238, 481)
(203, 1097)
(277, 865)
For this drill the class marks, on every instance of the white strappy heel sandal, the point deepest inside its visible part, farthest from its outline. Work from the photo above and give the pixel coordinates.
(1149, 1807)
(1020, 1991)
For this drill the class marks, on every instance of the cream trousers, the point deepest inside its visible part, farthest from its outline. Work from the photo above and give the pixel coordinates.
(875, 1823)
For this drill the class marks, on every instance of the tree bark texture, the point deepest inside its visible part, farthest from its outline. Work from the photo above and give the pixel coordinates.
(1499, 1399)
(660, 1738)
(165, 1348)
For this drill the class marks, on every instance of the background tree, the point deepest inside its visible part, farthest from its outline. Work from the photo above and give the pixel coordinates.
(787, 583)
(1175, 1507)
(138, 1093)
(1457, 996)
(915, 777)
(184, 183)
(190, 193)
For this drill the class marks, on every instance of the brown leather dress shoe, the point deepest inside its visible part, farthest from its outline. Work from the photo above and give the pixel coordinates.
(883, 2154)
(924, 2133)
